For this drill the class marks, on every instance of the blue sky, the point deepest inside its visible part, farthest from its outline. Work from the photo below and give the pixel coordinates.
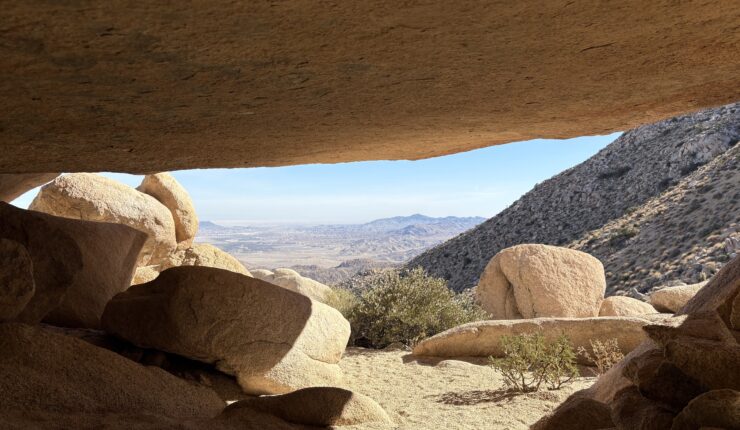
(475, 183)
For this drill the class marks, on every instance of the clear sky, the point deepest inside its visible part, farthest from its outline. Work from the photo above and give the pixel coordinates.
(475, 183)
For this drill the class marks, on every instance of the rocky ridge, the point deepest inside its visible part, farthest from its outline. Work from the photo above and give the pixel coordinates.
(622, 179)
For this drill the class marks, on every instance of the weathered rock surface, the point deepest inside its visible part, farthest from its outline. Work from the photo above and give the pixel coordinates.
(145, 274)
(12, 186)
(55, 256)
(671, 299)
(207, 255)
(93, 197)
(701, 325)
(632, 411)
(420, 80)
(713, 364)
(639, 202)
(165, 188)
(621, 306)
(45, 372)
(109, 255)
(542, 281)
(577, 413)
(482, 338)
(16, 279)
(719, 294)
(715, 409)
(293, 281)
(316, 406)
(273, 340)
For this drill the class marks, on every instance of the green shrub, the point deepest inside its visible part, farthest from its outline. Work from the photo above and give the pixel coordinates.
(342, 300)
(529, 362)
(406, 307)
(603, 354)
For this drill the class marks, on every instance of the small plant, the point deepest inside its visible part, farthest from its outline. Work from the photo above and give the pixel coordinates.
(623, 234)
(530, 362)
(603, 354)
(342, 300)
(406, 307)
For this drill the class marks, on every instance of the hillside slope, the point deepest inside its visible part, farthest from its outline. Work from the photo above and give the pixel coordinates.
(640, 165)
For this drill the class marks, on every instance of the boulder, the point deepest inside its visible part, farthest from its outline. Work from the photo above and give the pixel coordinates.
(719, 294)
(55, 256)
(544, 281)
(706, 325)
(205, 254)
(92, 197)
(145, 274)
(735, 313)
(714, 409)
(43, 371)
(273, 340)
(165, 188)
(109, 256)
(577, 413)
(614, 379)
(293, 281)
(316, 406)
(712, 364)
(13, 185)
(632, 411)
(671, 299)
(483, 338)
(16, 279)
(622, 306)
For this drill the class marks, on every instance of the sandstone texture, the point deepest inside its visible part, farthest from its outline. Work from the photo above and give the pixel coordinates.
(16, 279)
(532, 280)
(316, 406)
(261, 84)
(671, 299)
(56, 258)
(293, 281)
(714, 409)
(44, 372)
(12, 186)
(482, 339)
(165, 188)
(273, 340)
(205, 254)
(621, 306)
(647, 200)
(93, 197)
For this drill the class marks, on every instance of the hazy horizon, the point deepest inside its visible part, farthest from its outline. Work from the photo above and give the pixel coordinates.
(475, 183)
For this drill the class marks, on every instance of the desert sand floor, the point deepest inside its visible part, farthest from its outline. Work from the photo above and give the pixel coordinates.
(431, 394)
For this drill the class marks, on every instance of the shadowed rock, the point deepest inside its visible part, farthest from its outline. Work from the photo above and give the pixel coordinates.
(632, 411)
(317, 406)
(16, 279)
(12, 186)
(577, 413)
(273, 340)
(715, 409)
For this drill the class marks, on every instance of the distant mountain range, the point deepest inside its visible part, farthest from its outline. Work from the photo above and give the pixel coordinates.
(330, 253)
(659, 205)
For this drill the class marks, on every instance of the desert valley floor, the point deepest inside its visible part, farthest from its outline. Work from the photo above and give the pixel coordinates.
(423, 393)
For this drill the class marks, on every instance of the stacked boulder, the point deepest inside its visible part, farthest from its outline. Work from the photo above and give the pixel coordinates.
(685, 376)
(159, 207)
(73, 266)
(533, 280)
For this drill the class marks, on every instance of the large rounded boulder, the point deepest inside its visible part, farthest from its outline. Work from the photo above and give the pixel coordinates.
(621, 306)
(165, 188)
(532, 280)
(92, 197)
(273, 340)
(671, 299)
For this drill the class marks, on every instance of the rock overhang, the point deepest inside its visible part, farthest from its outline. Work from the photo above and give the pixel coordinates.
(103, 86)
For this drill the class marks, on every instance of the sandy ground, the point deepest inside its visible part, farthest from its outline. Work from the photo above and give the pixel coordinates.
(448, 394)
